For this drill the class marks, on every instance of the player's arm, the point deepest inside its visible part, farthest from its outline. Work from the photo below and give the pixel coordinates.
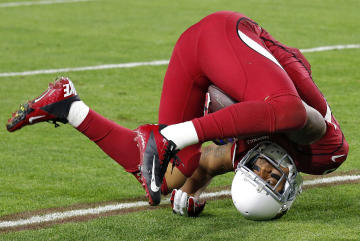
(299, 70)
(313, 130)
(215, 160)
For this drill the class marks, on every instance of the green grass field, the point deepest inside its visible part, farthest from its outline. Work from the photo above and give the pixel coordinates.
(42, 167)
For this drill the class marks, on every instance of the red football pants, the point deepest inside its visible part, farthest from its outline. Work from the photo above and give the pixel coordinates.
(116, 141)
(212, 52)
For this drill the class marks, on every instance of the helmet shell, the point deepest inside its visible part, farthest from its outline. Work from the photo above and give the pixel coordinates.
(252, 200)
(256, 199)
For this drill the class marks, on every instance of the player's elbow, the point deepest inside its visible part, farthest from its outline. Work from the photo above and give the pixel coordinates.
(290, 113)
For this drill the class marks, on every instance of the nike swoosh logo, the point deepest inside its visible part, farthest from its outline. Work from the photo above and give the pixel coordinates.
(31, 119)
(333, 158)
(153, 186)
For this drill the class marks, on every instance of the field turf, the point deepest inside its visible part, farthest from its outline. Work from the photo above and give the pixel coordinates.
(42, 167)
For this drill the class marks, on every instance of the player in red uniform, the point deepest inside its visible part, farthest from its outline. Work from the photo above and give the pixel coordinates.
(313, 150)
(226, 49)
(321, 156)
(231, 51)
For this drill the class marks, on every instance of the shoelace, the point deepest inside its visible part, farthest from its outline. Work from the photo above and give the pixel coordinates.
(170, 153)
(53, 122)
(57, 120)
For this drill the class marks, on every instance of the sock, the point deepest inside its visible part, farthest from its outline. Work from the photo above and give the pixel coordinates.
(182, 134)
(77, 113)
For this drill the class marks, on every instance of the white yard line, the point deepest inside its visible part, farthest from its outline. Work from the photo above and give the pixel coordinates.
(120, 206)
(327, 48)
(327, 180)
(69, 214)
(150, 63)
(97, 67)
(17, 4)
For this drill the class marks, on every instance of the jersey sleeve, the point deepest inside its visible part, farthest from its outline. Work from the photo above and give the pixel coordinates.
(238, 150)
(298, 69)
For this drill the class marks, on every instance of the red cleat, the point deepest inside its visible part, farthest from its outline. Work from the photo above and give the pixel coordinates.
(155, 154)
(52, 105)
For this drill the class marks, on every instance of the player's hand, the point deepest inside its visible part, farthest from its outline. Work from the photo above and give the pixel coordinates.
(185, 205)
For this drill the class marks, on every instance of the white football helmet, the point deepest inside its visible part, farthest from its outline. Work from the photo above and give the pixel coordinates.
(256, 199)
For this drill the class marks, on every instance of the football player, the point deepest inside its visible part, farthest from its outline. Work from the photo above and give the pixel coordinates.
(263, 76)
(60, 102)
(270, 163)
(226, 49)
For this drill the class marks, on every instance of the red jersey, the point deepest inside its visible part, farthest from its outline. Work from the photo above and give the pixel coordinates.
(268, 80)
(323, 156)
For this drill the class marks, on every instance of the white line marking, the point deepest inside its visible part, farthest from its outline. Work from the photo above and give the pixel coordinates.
(331, 180)
(103, 209)
(106, 66)
(68, 214)
(151, 63)
(17, 4)
(327, 48)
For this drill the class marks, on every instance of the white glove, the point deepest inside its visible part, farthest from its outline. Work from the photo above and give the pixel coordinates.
(185, 205)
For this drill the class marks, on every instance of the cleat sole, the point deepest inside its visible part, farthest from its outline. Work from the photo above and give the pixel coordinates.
(18, 116)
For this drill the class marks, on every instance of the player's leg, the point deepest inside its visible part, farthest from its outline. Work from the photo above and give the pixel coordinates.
(60, 102)
(119, 143)
(211, 50)
(116, 141)
(182, 99)
(242, 68)
(248, 73)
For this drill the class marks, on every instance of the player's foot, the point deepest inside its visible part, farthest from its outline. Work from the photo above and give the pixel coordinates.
(155, 155)
(52, 105)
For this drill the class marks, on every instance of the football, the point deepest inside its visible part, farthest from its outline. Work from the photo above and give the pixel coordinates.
(217, 99)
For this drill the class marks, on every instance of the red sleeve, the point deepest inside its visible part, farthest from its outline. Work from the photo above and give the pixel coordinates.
(238, 150)
(298, 69)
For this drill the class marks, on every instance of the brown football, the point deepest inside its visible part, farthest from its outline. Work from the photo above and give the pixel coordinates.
(218, 99)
